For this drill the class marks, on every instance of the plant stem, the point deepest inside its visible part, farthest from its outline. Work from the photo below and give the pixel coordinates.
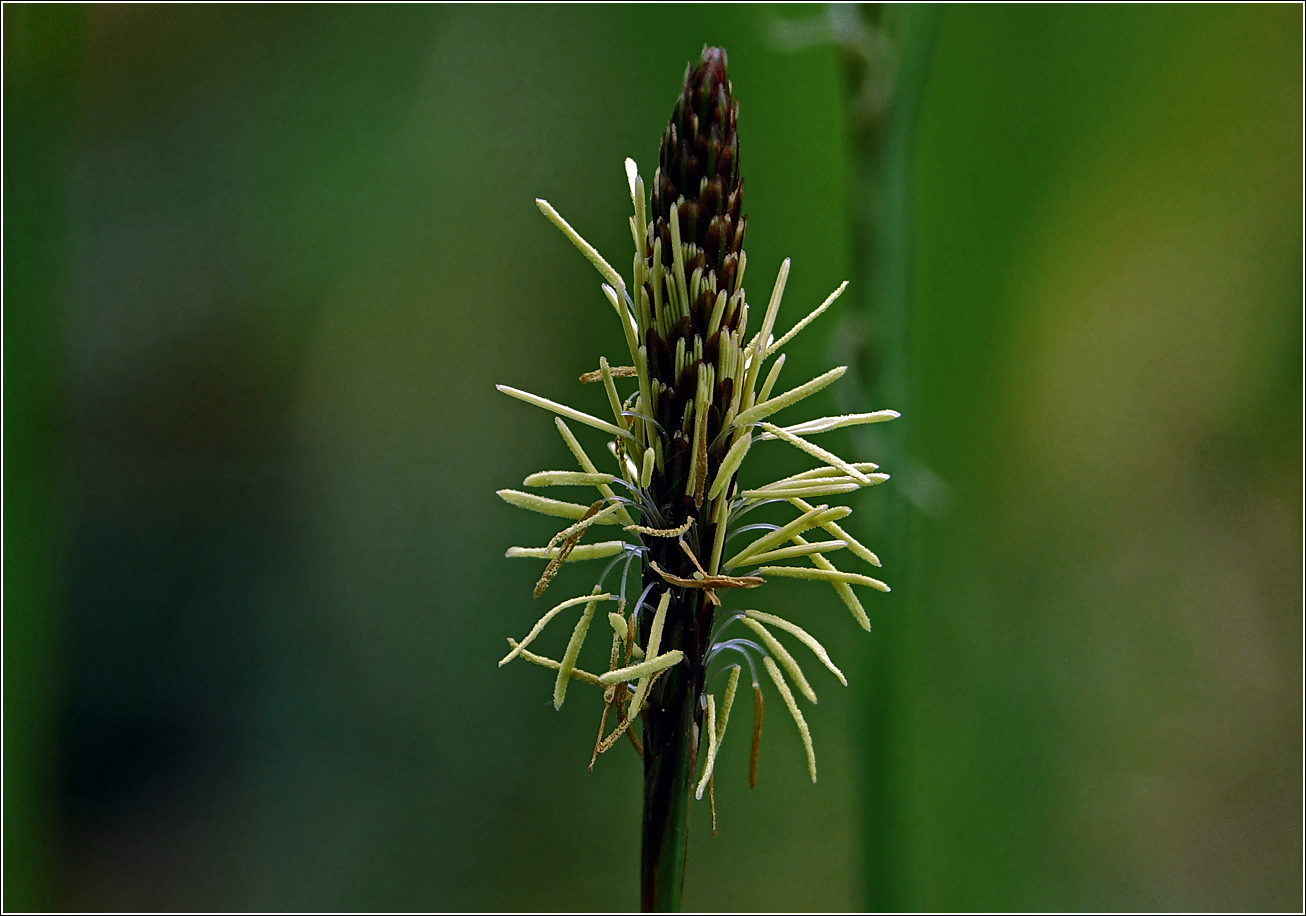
(882, 164)
(668, 770)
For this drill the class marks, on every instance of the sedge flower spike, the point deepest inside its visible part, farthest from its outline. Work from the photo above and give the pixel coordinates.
(690, 397)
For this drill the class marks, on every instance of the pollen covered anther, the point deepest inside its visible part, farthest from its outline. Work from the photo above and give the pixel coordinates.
(617, 372)
(570, 538)
(661, 532)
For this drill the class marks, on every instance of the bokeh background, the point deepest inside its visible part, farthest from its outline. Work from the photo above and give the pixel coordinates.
(264, 265)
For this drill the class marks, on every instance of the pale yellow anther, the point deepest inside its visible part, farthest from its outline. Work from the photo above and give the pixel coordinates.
(576, 673)
(678, 263)
(798, 550)
(814, 491)
(810, 519)
(760, 343)
(727, 702)
(644, 668)
(831, 479)
(578, 415)
(566, 479)
(568, 663)
(549, 615)
(618, 624)
(824, 575)
(854, 546)
(712, 744)
(659, 621)
(602, 266)
(719, 541)
(545, 506)
(651, 654)
(842, 589)
(788, 697)
(623, 315)
(582, 552)
(793, 332)
(803, 636)
(825, 424)
(718, 311)
(730, 464)
(588, 466)
(781, 654)
(822, 472)
(817, 452)
(792, 396)
(771, 378)
(614, 400)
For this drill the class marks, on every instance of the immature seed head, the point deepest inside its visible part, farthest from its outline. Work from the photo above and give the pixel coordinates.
(698, 170)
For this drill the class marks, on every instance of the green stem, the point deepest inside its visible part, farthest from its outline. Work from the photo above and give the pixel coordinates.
(668, 770)
(882, 171)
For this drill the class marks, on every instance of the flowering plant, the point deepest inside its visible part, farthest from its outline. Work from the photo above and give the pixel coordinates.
(678, 440)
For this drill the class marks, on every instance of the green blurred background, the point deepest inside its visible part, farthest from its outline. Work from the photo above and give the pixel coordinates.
(264, 265)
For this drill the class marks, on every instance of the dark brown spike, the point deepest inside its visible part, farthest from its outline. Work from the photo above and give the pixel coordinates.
(701, 143)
